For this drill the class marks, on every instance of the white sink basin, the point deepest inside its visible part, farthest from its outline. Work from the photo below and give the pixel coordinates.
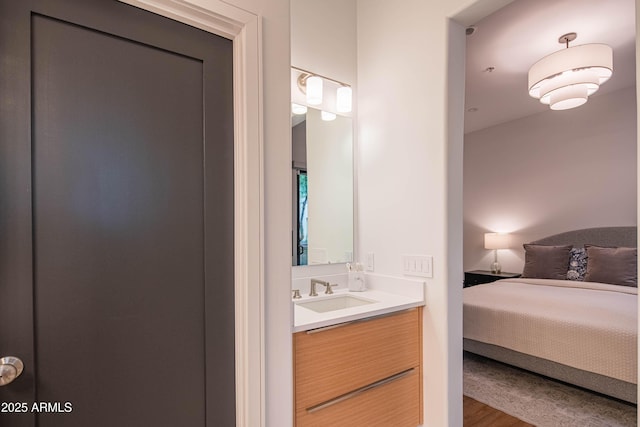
(338, 302)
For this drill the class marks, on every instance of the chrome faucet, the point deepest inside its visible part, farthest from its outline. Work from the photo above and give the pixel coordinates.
(314, 282)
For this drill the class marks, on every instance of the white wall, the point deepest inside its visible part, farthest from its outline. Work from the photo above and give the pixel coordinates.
(323, 38)
(548, 173)
(410, 122)
(402, 163)
(402, 48)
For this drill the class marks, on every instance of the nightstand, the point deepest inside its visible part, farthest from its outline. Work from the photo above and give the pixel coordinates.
(478, 277)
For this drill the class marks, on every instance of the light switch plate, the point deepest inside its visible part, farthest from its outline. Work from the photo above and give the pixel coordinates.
(370, 263)
(417, 265)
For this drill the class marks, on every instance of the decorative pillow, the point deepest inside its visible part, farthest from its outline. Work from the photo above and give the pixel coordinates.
(546, 262)
(617, 266)
(577, 264)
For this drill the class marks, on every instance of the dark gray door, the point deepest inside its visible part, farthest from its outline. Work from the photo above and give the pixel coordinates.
(116, 217)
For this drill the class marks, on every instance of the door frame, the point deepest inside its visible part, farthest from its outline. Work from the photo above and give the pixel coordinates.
(244, 29)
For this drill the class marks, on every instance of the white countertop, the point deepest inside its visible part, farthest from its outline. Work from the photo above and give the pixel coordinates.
(385, 302)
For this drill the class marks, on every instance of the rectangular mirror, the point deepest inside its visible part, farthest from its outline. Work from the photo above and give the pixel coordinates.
(322, 188)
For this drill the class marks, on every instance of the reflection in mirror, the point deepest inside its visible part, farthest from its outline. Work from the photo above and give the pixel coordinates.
(322, 189)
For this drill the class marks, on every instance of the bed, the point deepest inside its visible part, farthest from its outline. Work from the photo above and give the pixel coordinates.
(581, 328)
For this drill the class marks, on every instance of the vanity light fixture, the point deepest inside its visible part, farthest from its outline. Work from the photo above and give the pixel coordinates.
(298, 109)
(343, 99)
(314, 90)
(566, 78)
(315, 86)
(496, 241)
(327, 116)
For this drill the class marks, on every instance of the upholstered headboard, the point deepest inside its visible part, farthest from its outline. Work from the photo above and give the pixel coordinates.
(601, 236)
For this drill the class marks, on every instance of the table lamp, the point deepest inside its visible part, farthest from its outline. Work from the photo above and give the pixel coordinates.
(496, 241)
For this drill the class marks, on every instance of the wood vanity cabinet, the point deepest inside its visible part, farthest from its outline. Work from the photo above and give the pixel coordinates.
(362, 373)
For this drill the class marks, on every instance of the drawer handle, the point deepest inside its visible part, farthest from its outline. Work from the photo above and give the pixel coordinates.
(361, 390)
(366, 319)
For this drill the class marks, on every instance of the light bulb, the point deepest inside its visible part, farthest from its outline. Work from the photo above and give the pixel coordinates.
(327, 116)
(343, 103)
(298, 109)
(568, 97)
(314, 90)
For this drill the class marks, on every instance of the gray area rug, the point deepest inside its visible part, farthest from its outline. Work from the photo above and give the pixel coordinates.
(541, 401)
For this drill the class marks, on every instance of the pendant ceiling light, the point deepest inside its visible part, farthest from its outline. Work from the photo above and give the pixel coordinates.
(566, 78)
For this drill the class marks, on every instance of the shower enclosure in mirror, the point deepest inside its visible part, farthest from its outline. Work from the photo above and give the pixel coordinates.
(322, 178)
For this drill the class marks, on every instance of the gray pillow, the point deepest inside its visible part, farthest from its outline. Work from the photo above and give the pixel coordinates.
(546, 262)
(617, 266)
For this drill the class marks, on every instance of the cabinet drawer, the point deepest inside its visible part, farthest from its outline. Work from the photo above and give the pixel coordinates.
(395, 402)
(334, 362)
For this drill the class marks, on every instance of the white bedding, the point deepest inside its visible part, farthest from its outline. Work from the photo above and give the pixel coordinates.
(585, 325)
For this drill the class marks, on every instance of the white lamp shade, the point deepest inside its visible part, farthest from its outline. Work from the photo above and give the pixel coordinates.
(327, 116)
(497, 241)
(343, 102)
(566, 78)
(586, 78)
(568, 97)
(298, 109)
(314, 90)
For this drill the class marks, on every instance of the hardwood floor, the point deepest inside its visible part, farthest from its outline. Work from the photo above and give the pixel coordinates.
(478, 414)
